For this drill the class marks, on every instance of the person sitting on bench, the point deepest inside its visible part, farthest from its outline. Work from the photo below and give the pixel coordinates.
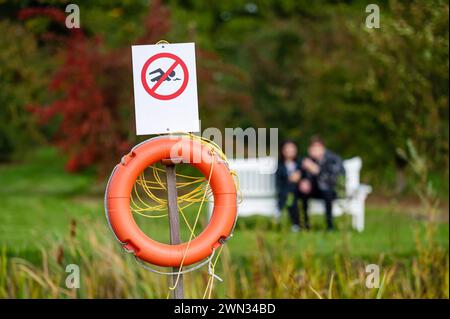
(287, 178)
(320, 172)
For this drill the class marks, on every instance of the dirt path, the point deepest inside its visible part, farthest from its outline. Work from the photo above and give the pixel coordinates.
(407, 205)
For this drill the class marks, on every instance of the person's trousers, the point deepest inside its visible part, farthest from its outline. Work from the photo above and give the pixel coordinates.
(292, 208)
(327, 196)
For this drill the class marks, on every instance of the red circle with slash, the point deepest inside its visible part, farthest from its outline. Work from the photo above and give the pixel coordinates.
(152, 90)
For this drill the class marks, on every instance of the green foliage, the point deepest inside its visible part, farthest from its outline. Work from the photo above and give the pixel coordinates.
(407, 77)
(21, 80)
(313, 67)
(306, 67)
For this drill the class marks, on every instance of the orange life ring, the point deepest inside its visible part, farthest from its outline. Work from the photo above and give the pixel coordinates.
(120, 186)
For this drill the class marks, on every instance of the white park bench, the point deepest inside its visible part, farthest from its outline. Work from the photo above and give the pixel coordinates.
(257, 184)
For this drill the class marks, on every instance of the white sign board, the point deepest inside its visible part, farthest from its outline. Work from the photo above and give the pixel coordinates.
(165, 88)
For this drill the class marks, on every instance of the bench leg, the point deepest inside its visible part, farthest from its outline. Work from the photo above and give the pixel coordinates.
(358, 216)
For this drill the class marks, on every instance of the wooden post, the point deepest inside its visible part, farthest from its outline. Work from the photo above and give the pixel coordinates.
(174, 221)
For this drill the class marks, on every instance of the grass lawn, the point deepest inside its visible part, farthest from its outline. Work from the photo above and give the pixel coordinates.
(39, 200)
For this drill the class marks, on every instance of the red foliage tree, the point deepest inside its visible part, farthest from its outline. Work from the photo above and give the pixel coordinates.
(90, 128)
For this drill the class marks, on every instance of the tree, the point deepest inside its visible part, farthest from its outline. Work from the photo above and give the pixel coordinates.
(88, 92)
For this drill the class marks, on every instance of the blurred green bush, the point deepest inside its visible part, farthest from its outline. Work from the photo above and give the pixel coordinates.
(304, 67)
(22, 80)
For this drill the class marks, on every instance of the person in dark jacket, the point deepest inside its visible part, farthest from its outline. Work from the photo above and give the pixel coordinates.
(320, 172)
(288, 175)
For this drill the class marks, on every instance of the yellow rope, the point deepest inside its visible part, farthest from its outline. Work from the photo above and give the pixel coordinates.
(162, 42)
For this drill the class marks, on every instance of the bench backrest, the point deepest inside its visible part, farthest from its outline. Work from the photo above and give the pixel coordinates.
(257, 175)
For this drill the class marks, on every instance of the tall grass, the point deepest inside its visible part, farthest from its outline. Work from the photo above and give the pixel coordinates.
(427, 267)
(269, 272)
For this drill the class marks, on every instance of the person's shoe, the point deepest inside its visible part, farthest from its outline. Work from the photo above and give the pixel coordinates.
(295, 228)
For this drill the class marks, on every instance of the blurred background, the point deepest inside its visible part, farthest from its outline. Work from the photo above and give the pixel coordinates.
(303, 67)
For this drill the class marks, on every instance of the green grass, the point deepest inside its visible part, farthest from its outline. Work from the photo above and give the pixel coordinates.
(39, 201)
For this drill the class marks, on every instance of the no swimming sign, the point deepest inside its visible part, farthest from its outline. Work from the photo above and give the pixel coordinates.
(165, 88)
